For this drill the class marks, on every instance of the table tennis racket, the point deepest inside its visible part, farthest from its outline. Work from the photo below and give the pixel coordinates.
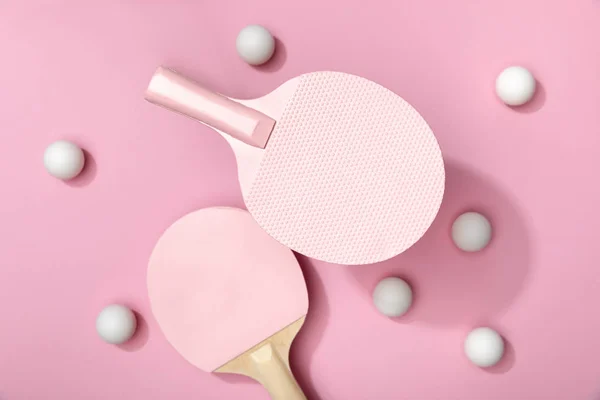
(228, 297)
(332, 165)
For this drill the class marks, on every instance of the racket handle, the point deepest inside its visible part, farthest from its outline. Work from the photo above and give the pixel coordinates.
(275, 374)
(177, 93)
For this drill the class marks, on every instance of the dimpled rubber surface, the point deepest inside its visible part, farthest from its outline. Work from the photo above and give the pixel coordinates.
(352, 173)
(218, 285)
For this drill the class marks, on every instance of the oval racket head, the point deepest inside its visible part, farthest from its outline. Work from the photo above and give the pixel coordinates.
(351, 174)
(219, 285)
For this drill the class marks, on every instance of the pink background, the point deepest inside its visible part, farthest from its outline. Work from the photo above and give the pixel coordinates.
(78, 71)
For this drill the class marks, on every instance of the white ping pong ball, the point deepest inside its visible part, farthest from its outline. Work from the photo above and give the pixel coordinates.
(116, 324)
(484, 347)
(471, 232)
(255, 44)
(63, 159)
(515, 86)
(392, 297)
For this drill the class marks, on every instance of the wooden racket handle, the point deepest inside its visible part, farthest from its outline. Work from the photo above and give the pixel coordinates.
(275, 374)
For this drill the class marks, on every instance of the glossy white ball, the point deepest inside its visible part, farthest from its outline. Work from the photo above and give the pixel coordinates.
(515, 86)
(116, 324)
(471, 231)
(255, 44)
(484, 347)
(392, 297)
(63, 159)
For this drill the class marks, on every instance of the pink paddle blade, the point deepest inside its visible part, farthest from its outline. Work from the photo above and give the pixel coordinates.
(219, 284)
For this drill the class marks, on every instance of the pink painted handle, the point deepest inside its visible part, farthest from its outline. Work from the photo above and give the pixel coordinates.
(177, 93)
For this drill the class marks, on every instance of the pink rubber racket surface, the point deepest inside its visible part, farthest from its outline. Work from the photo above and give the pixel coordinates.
(350, 173)
(219, 284)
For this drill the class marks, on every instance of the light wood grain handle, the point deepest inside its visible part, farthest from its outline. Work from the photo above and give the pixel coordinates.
(275, 374)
